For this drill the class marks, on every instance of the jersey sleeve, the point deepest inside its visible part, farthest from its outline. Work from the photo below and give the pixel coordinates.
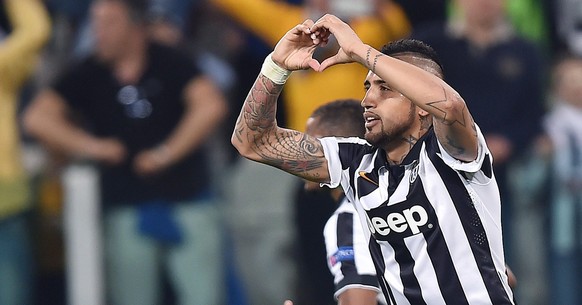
(483, 156)
(340, 152)
(348, 257)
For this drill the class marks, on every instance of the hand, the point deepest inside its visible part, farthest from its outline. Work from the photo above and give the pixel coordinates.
(345, 36)
(108, 150)
(152, 161)
(295, 50)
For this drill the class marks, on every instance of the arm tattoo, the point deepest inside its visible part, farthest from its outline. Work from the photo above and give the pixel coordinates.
(375, 62)
(258, 111)
(368, 56)
(444, 116)
(261, 105)
(455, 140)
(456, 149)
(295, 152)
(289, 150)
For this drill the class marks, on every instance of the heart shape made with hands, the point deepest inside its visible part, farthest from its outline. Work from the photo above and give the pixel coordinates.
(295, 51)
(326, 48)
(321, 33)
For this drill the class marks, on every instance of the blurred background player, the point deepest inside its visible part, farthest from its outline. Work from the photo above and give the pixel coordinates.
(348, 256)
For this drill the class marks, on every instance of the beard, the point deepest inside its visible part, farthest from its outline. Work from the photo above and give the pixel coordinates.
(394, 133)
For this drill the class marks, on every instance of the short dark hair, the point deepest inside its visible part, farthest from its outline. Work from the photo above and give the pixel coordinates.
(341, 118)
(414, 46)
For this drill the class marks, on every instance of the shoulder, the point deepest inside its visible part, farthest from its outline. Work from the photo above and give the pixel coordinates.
(83, 70)
(349, 149)
(170, 57)
(354, 143)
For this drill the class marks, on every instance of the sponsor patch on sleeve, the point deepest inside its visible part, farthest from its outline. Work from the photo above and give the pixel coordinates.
(343, 254)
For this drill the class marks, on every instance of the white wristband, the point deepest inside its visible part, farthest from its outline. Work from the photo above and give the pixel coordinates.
(273, 72)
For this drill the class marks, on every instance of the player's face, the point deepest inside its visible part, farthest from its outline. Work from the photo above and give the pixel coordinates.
(112, 26)
(388, 114)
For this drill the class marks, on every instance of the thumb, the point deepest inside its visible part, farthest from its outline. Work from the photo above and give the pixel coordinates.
(328, 62)
(315, 65)
(288, 302)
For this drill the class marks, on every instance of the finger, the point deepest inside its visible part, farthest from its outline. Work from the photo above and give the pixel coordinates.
(325, 41)
(326, 17)
(320, 26)
(325, 22)
(320, 37)
(314, 64)
(305, 27)
(301, 29)
(308, 22)
(315, 38)
(288, 302)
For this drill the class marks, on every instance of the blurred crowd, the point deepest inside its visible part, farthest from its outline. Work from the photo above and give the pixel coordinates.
(119, 185)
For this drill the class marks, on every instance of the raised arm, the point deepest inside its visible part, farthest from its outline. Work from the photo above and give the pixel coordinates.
(256, 135)
(30, 31)
(452, 121)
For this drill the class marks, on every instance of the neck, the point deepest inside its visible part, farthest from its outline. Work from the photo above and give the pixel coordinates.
(130, 64)
(484, 33)
(397, 150)
(395, 155)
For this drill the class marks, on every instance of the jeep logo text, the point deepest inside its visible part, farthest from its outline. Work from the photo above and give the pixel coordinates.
(410, 219)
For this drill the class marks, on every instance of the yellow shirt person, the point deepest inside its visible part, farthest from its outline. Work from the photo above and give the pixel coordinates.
(306, 90)
(18, 57)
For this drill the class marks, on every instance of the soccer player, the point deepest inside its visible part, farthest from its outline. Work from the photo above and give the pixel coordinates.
(348, 257)
(422, 181)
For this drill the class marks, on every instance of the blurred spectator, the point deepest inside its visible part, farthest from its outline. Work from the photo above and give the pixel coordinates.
(564, 127)
(568, 22)
(499, 75)
(24, 29)
(142, 112)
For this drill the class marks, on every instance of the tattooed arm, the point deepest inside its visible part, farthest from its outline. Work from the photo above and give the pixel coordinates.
(256, 135)
(414, 77)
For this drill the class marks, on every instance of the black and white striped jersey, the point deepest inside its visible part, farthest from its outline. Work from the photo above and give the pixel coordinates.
(348, 255)
(434, 221)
